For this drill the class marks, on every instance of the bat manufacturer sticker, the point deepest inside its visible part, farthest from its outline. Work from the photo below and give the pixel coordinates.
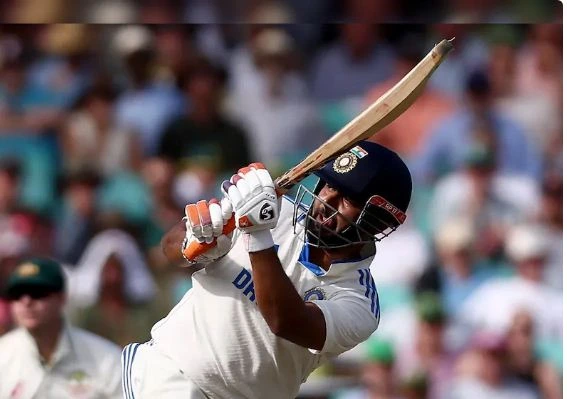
(345, 162)
(266, 212)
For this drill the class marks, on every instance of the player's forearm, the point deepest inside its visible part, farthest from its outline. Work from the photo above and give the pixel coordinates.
(285, 312)
(171, 242)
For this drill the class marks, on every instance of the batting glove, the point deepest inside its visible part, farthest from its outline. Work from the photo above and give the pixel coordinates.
(253, 197)
(204, 224)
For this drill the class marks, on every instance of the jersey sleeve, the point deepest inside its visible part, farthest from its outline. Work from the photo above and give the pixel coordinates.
(351, 316)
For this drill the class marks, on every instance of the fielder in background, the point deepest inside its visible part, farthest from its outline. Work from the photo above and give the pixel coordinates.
(289, 289)
(46, 357)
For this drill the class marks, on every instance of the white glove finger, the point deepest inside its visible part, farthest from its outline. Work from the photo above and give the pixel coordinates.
(265, 178)
(231, 193)
(227, 210)
(251, 177)
(216, 218)
(244, 188)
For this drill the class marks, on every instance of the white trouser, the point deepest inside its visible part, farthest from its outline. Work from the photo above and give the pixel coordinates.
(146, 373)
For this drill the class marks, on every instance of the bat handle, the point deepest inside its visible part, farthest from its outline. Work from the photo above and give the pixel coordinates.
(196, 249)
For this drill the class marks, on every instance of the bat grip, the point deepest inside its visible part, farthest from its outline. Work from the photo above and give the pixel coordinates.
(196, 249)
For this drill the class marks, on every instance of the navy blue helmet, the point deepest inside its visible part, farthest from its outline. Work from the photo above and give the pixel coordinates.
(374, 177)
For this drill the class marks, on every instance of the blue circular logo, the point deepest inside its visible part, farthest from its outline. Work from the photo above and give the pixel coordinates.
(314, 294)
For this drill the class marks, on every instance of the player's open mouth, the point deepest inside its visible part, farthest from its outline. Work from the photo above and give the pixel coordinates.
(326, 219)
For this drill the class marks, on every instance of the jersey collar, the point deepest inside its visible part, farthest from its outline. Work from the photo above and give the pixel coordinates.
(337, 267)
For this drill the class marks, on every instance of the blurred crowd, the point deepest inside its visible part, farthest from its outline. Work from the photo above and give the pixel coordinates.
(247, 11)
(107, 131)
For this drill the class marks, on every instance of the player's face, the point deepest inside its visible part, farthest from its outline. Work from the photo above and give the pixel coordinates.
(347, 211)
(34, 309)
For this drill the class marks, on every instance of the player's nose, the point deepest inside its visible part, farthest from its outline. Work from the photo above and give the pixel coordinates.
(331, 198)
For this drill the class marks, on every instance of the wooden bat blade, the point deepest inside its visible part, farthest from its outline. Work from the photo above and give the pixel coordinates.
(374, 118)
(378, 115)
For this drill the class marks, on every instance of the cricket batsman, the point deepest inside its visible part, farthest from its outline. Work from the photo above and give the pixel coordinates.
(287, 290)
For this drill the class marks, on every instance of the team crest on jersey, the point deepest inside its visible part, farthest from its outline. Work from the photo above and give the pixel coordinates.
(345, 162)
(79, 383)
(316, 293)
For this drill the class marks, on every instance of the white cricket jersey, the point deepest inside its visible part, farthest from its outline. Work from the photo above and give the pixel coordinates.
(83, 366)
(217, 336)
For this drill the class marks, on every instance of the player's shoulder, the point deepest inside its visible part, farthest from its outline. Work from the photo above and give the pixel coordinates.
(94, 343)
(352, 280)
(11, 340)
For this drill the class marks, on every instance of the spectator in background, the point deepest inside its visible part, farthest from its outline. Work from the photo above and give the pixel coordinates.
(456, 272)
(551, 217)
(377, 377)
(24, 108)
(481, 372)
(395, 280)
(358, 58)
(22, 231)
(112, 282)
(449, 144)
(470, 53)
(494, 304)
(540, 65)
(270, 98)
(147, 105)
(159, 175)
(203, 144)
(524, 364)
(46, 355)
(66, 69)
(538, 114)
(428, 353)
(174, 53)
(13, 241)
(76, 224)
(10, 185)
(415, 387)
(474, 11)
(407, 134)
(91, 138)
(495, 201)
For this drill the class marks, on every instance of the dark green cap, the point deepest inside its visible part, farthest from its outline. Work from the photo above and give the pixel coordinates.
(380, 351)
(429, 308)
(37, 273)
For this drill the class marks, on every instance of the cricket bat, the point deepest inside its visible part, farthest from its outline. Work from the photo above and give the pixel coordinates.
(374, 118)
